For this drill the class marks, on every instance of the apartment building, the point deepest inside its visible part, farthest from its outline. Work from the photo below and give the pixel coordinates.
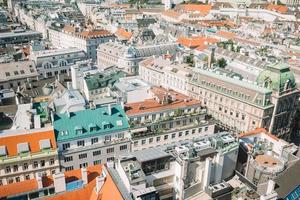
(127, 57)
(27, 154)
(164, 71)
(14, 74)
(86, 40)
(165, 118)
(56, 61)
(236, 104)
(19, 37)
(180, 170)
(92, 136)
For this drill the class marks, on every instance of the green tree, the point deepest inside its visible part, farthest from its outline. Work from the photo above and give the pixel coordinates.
(221, 62)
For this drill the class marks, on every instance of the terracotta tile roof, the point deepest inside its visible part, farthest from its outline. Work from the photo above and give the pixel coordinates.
(32, 138)
(202, 47)
(122, 33)
(226, 34)
(172, 14)
(278, 8)
(258, 131)
(109, 191)
(95, 33)
(217, 23)
(70, 29)
(152, 105)
(194, 42)
(204, 9)
(17, 188)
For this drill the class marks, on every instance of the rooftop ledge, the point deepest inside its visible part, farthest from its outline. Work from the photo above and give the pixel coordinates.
(28, 156)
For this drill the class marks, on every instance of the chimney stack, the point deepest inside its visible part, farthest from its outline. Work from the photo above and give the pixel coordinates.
(109, 109)
(84, 176)
(211, 58)
(59, 182)
(270, 187)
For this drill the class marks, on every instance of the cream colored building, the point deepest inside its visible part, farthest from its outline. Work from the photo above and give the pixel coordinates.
(26, 154)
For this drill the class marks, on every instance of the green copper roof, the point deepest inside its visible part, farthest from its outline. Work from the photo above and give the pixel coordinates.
(101, 80)
(277, 77)
(89, 122)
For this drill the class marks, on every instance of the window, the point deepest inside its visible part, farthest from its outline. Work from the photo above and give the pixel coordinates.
(25, 166)
(1, 183)
(17, 179)
(10, 180)
(94, 140)
(22, 71)
(97, 153)
(107, 138)
(199, 130)
(121, 135)
(193, 131)
(123, 147)
(83, 165)
(110, 159)
(52, 161)
(158, 139)
(206, 128)
(173, 135)
(136, 143)
(97, 162)
(243, 116)
(66, 146)
(143, 142)
(7, 74)
(186, 132)
(68, 159)
(69, 168)
(16, 168)
(7, 169)
(179, 134)
(82, 156)
(237, 114)
(110, 150)
(166, 137)
(80, 143)
(42, 163)
(16, 72)
(150, 140)
(27, 177)
(35, 164)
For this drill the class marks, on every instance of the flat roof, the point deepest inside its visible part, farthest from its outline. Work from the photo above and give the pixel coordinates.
(150, 154)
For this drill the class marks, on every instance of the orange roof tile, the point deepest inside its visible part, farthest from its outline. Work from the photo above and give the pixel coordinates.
(277, 8)
(122, 33)
(151, 105)
(258, 131)
(17, 188)
(226, 34)
(171, 13)
(32, 139)
(109, 190)
(196, 8)
(194, 42)
(95, 33)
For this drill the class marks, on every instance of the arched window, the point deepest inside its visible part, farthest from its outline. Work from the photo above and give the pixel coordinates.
(287, 85)
(62, 63)
(47, 65)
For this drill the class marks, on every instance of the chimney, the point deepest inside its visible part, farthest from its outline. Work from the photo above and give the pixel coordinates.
(99, 183)
(211, 58)
(270, 187)
(59, 182)
(109, 109)
(122, 104)
(39, 181)
(69, 85)
(84, 176)
(207, 173)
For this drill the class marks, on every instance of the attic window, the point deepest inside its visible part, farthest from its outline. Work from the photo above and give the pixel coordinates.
(45, 144)
(3, 151)
(23, 147)
(78, 129)
(92, 127)
(62, 133)
(106, 125)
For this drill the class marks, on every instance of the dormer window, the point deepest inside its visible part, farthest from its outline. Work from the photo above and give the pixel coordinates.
(106, 125)
(78, 129)
(23, 147)
(92, 127)
(3, 151)
(45, 144)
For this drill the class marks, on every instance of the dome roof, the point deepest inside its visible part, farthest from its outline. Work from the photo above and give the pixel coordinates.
(130, 52)
(277, 77)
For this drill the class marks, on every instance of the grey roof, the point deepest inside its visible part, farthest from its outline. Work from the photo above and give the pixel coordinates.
(150, 154)
(288, 180)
